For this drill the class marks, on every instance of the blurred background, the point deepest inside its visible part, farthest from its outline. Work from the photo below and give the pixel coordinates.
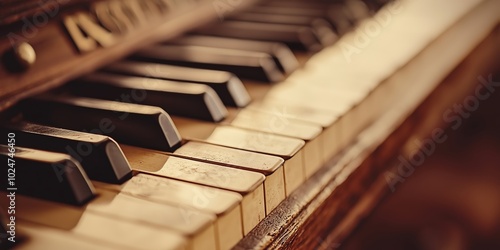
(452, 201)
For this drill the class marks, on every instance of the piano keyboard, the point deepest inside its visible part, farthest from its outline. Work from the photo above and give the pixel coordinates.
(190, 143)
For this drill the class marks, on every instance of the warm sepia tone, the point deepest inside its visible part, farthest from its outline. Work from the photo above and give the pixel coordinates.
(249, 124)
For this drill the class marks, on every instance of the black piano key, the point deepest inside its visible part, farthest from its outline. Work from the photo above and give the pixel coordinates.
(336, 14)
(244, 64)
(297, 37)
(321, 27)
(281, 54)
(134, 124)
(358, 10)
(228, 86)
(100, 156)
(376, 5)
(177, 98)
(44, 175)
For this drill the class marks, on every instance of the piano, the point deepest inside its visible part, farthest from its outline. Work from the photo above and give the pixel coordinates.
(221, 124)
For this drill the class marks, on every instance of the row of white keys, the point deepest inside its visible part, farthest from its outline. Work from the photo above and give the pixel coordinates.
(96, 227)
(249, 184)
(287, 148)
(225, 205)
(42, 237)
(270, 166)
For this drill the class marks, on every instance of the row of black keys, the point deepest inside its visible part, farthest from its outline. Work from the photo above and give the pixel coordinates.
(217, 59)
